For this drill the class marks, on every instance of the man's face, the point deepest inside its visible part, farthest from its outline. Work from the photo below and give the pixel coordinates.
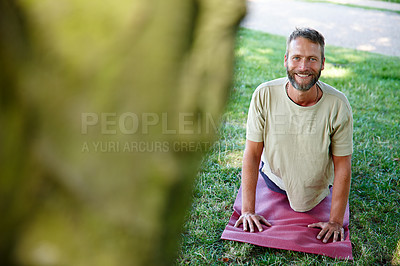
(303, 63)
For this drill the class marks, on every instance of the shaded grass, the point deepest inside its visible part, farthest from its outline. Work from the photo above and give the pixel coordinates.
(372, 84)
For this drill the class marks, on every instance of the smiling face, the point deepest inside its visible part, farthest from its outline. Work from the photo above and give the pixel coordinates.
(304, 63)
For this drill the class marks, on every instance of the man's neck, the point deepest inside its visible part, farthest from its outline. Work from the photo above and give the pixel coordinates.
(304, 98)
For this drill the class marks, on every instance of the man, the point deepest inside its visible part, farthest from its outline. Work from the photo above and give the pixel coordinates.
(301, 128)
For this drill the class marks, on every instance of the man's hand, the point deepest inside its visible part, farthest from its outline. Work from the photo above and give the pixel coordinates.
(329, 229)
(249, 219)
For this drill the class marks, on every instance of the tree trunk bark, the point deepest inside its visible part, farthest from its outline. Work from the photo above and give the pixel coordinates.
(106, 109)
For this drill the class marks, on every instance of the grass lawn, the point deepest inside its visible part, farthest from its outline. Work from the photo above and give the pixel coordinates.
(372, 84)
(393, 1)
(358, 5)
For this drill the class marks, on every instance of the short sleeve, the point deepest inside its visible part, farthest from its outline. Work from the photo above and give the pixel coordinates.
(256, 117)
(342, 136)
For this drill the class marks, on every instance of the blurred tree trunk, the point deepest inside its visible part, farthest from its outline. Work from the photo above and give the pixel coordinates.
(105, 110)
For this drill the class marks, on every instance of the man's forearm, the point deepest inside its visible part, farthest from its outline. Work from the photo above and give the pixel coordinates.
(249, 184)
(251, 162)
(341, 188)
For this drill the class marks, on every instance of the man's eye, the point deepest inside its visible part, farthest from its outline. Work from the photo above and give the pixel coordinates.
(313, 60)
(296, 58)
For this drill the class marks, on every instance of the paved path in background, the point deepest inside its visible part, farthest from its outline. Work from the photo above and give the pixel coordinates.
(344, 26)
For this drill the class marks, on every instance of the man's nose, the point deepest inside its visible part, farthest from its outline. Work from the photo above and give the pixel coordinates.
(303, 64)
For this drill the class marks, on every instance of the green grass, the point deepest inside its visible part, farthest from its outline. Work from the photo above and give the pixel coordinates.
(372, 85)
(358, 5)
(393, 1)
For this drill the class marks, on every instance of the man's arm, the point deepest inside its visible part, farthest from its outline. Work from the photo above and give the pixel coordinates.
(251, 162)
(340, 196)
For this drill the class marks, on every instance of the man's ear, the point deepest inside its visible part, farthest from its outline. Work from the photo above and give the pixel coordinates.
(285, 61)
(323, 64)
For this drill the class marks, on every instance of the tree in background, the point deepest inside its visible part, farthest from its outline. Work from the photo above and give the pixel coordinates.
(105, 110)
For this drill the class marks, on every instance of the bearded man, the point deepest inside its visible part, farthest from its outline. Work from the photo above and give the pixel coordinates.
(301, 130)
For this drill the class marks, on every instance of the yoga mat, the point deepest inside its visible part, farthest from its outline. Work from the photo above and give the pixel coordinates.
(289, 229)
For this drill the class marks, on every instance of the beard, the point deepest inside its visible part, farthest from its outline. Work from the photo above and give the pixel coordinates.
(305, 86)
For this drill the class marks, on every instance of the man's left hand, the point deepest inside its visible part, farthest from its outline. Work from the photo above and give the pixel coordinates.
(329, 229)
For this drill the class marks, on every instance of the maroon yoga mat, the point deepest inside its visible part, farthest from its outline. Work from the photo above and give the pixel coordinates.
(289, 228)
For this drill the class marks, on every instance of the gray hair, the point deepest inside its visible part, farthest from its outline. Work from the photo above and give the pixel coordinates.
(310, 34)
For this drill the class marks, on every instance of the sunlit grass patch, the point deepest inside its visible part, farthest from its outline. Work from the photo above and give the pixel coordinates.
(332, 71)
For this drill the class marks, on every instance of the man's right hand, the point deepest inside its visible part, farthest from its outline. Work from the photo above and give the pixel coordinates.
(249, 219)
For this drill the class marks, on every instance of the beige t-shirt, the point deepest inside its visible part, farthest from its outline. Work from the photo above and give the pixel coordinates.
(299, 141)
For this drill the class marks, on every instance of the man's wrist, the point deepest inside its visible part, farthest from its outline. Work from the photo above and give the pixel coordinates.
(244, 211)
(335, 222)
